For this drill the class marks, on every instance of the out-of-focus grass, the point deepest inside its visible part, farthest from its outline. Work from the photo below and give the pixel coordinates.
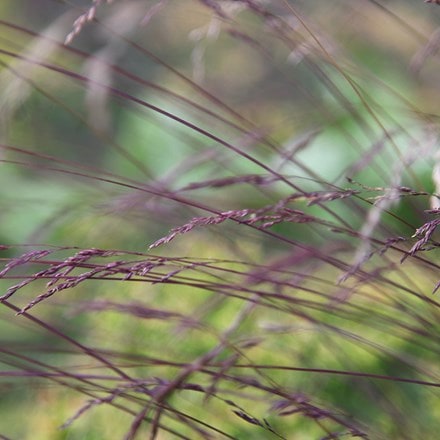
(244, 315)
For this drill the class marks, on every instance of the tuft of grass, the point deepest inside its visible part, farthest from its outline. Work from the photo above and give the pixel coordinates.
(219, 219)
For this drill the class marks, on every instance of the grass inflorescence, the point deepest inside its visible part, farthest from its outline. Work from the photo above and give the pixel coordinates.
(219, 219)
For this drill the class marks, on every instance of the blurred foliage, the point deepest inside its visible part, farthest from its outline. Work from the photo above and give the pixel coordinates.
(103, 137)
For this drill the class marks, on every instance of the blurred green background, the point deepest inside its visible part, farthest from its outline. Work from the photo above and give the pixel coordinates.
(333, 90)
(285, 93)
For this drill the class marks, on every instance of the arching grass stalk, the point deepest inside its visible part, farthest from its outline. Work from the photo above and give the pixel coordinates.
(219, 220)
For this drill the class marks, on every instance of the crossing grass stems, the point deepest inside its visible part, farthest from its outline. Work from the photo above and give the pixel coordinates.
(243, 244)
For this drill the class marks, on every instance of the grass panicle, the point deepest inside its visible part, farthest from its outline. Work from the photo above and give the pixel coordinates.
(219, 219)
